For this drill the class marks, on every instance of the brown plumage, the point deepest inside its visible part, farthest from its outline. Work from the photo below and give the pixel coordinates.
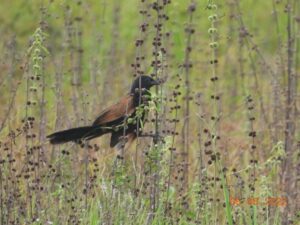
(112, 119)
(124, 107)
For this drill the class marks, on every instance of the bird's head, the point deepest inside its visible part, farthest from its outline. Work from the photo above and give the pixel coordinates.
(143, 82)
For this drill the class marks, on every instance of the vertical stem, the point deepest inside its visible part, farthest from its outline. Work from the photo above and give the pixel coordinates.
(1, 195)
(113, 52)
(138, 70)
(297, 47)
(172, 149)
(156, 134)
(186, 127)
(289, 120)
(277, 78)
(42, 104)
(215, 118)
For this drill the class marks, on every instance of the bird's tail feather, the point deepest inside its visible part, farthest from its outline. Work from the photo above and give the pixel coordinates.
(76, 134)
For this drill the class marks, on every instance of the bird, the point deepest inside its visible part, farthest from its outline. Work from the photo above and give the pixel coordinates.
(120, 119)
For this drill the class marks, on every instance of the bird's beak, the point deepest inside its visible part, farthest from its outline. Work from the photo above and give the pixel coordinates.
(155, 82)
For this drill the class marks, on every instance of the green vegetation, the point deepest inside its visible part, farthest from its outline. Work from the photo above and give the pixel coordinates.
(226, 114)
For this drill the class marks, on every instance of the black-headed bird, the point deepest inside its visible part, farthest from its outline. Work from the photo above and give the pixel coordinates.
(120, 119)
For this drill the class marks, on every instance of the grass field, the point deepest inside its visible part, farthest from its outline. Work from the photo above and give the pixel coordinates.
(226, 112)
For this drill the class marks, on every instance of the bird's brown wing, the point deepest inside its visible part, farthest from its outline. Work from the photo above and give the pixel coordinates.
(121, 109)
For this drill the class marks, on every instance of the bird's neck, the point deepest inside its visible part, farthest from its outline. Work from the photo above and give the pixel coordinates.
(140, 98)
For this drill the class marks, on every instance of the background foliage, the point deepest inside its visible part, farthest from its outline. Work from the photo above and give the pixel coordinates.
(227, 111)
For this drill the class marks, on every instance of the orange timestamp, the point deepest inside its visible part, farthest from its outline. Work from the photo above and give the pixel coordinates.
(255, 201)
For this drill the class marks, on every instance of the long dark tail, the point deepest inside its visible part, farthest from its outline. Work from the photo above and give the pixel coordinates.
(76, 134)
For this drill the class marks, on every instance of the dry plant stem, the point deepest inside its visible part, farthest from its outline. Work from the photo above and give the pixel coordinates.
(114, 50)
(74, 99)
(296, 26)
(59, 102)
(27, 142)
(77, 72)
(297, 71)
(252, 135)
(279, 38)
(11, 76)
(215, 118)
(202, 172)
(247, 42)
(10, 105)
(171, 160)
(156, 134)
(231, 33)
(297, 185)
(94, 75)
(296, 49)
(157, 7)
(248, 104)
(55, 150)
(9, 184)
(200, 138)
(42, 132)
(278, 76)
(86, 151)
(290, 124)
(159, 115)
(241, 63)
(41, 137)
(26, 116)
(59, 65)
(253, 153)
(251, 45)
(1, 196)
(156, 68)
(172, 149)
(73, 33)
(138, 70)
(186, 126)
(42, 118)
